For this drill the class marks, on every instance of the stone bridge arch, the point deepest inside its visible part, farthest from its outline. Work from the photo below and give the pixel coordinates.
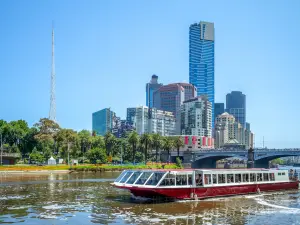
(262, 160)
(210, 160)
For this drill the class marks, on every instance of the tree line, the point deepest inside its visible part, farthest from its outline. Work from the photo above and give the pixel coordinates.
(46, 138)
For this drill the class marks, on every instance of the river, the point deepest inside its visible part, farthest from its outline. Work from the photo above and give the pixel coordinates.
(87, 198)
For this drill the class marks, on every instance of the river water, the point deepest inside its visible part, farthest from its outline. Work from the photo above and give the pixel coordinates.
(87, 198)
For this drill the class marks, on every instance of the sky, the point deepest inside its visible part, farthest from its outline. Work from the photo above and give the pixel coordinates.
(107, 50)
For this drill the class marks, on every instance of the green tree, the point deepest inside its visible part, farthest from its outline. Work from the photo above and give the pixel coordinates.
(85, 139)
(97, 155)
(109, 140)
(146, 141)
(29, 141)
(36, 156)
(157, 143)
(98, 142)
(178, 143)
(277, 161)
(47, 129)
(68, 141)
(133, 139)
(168, 144)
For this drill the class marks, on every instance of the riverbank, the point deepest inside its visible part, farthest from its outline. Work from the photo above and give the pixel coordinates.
(15, 169)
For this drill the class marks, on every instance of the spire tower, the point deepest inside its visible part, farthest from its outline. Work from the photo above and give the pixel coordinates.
(52, 112)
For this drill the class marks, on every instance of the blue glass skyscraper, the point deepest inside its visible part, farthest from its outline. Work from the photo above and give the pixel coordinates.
(202, 60)
(236, 106)
(151, 87)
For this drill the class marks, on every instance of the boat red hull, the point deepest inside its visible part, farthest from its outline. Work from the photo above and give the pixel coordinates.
(208, 192)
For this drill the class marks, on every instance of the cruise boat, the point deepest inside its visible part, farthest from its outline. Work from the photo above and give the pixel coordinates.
(203, 183)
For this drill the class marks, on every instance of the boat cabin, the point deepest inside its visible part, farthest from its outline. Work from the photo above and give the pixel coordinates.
(199, 178)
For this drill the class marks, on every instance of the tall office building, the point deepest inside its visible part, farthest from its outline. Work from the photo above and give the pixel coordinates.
(202, 60)
(151, 87)
(219, 109)
(170, 97)
(236, 106)
(196, 116)
(102, 121)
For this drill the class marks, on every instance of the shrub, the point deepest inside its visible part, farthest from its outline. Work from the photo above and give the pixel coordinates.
(178, 163)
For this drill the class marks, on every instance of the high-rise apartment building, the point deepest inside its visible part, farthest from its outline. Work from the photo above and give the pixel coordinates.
(222, 124)
(228, 129)
(196, 117)
(202, 60)
(152, 120)
(236, 106)
(151, 87)
(102, 121)
(161, 122)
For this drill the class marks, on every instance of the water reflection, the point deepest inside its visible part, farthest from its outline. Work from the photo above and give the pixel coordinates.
(88, 199)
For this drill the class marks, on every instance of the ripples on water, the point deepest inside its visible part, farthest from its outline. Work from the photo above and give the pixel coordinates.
(89, 199)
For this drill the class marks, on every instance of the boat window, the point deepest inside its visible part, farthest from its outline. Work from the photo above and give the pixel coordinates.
(221, 178)
(238, 178)
(207, 178)
(127, 175)
(169, 180)
(266, 177)
(252, 177)
(199, 181)
(143, 178)
(155, 178)
(190, 179)
(259, 177)
(272, 177)
(283, 173)
(120, 176)
(230, 178)
(214, 178)
(133, 178)
(181, 179)
(246, 177)
(279, 174)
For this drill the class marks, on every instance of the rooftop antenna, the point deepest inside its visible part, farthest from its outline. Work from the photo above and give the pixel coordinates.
(52, 112)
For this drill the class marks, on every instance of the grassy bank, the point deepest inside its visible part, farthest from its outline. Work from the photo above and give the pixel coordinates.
(88, 167)
(32, 168)
(121, 167)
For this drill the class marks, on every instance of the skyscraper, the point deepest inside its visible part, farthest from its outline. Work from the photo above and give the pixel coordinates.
(219, 109)
(202, 60)
(169, 98)
(196, 117)
(103, 121)
(151, 87)
(236, 106)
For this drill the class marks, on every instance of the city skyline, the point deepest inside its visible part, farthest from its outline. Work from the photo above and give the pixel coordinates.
(90, 54)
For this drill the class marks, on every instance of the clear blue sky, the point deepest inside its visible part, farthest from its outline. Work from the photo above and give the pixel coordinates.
(107, 50)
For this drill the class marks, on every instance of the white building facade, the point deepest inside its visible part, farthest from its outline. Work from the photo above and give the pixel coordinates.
(152, 120)
(196, 117)
(227, 128)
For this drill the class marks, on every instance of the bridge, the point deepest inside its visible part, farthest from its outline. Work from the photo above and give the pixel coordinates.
(258, 158)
